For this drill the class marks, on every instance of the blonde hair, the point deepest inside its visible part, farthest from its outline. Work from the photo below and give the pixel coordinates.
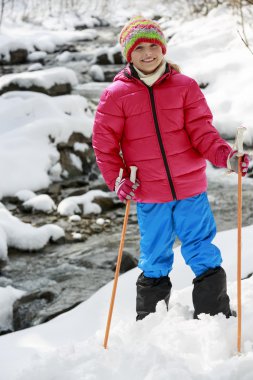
(175, 66)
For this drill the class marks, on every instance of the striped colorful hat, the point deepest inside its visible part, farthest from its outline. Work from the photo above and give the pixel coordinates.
(137, 30)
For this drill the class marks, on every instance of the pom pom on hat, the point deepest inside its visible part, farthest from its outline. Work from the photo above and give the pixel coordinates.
(137, 30)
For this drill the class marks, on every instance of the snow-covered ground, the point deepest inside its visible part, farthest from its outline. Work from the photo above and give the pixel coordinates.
(163, 346)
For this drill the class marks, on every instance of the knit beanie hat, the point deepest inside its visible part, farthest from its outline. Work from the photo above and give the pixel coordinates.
(137, 30)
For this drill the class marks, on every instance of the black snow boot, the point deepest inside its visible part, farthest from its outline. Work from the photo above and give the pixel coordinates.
(210, 293)
(149, 292)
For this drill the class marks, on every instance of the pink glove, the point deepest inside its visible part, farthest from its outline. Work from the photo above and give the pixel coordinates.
(125, 189)
(232, 162)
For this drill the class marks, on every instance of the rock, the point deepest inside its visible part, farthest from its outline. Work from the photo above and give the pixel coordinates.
(3, 263)
(4, 281)
(118, 58)
(128, 262)
(106, 204)
(102, 59)
(27, 307)
(78, 192)
(110, 72)
(18, 56)
(95, 22)
(4, 332)
(93, 176)
(73, 183)
(55, 90)
(54, 189)
(99, 186)
(11, 199)
(68, 156)
(60, 240)
(203, 85)
(78, 137)
(53, 311)
(67, 163)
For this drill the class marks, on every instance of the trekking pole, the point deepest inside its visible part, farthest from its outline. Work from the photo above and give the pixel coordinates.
(239, 148)
(121, 246)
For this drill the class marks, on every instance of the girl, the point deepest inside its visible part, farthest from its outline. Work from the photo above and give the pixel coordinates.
(157, 119)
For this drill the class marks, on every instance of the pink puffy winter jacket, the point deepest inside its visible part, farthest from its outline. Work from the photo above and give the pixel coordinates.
(165, 130)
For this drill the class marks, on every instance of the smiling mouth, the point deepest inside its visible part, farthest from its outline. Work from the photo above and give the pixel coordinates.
(148, 60)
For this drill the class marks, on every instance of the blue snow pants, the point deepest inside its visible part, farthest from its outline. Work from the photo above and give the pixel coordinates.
(192, 221)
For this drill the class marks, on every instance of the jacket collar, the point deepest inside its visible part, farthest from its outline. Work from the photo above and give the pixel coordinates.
(131, 73)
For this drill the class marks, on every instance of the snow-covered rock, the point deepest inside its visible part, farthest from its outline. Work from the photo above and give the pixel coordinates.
(54, 81)
(23, 236)
(25, 195)
(42, 202)
(8, 296)
(81, 204)
(97, 73)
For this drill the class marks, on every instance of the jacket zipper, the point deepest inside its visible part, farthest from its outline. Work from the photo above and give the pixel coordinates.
(151, 93)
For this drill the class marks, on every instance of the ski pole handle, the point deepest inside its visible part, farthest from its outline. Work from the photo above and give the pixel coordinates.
(239, 140)
(119, 178)
(133, 170)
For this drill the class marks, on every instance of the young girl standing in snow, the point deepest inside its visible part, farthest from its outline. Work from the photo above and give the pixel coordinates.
(157, 119)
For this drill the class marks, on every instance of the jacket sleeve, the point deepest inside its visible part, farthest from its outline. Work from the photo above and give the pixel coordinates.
(198, 123)
(107, 133)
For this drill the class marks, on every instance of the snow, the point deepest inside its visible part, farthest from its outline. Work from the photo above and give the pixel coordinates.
(7, 47)
(36, 56)
(25, 195)
(3, 244)
(8, 296)
(42, 202)
(25, 147)
(165, 345)
(74, 218)
(91, 89)
(35, 67)
(76, 235)
(16, 36)
(17, 234)
(64, 57)
(216, 55)
(43, 78)
(109, 51)
(81, 147)
(76, 161)
(97, 73)
(81, 204)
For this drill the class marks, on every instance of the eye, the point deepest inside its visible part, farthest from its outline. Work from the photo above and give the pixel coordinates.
(154, 45)
(139, 47)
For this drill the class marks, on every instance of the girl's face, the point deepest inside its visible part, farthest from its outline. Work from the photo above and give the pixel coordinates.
(147, 57)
